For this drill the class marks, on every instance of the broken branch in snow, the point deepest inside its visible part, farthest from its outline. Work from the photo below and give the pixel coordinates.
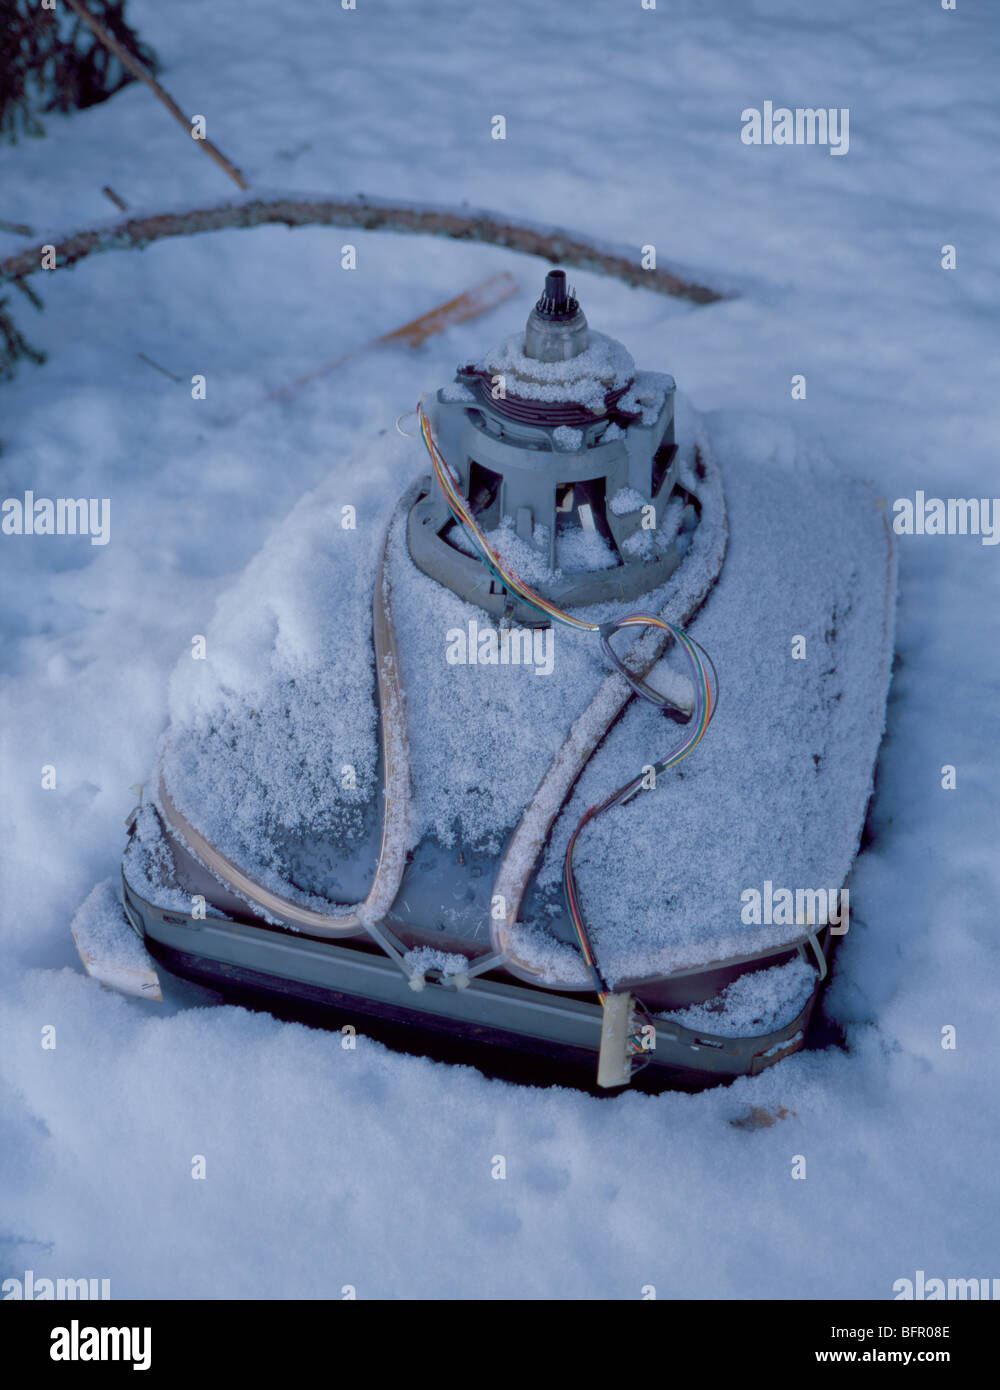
(460, 224)
(468, 305)
(133, 65)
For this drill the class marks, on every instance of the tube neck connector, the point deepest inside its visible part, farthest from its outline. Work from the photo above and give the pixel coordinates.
(557, 327)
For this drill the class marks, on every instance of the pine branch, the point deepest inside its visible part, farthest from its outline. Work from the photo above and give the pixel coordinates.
(13, 347)
(50, 61)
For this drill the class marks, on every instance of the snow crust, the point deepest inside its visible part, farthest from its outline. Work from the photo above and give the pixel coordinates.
(424, 958)
(778, 787)
(754, 1005)
(605, 365)
(100, 928)
(275, 737)
(566, 438)
(646, 396)
(625, 500)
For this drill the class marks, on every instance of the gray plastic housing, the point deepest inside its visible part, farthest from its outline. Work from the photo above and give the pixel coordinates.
(531, 474)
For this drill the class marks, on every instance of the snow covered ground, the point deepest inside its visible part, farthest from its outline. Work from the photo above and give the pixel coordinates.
(328, 1167)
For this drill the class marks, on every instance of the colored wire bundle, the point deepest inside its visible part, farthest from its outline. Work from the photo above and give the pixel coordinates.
(703, 674)
(706, 687)
(490, 558)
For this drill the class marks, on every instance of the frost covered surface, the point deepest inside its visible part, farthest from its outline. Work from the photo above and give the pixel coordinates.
(262, 732)
(646, 396)
(605, 365)
(578, 549)
(424, 958)
(529, 562)
(777, 789)
(96, 1137)
(480, 736)
(755, 1004)
(670, 529)
(625, 500)
(567, 438)
(149, 865)
(457, 391)
(101, 930)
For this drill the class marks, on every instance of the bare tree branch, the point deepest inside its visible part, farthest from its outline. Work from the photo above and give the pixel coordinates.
(460, 224)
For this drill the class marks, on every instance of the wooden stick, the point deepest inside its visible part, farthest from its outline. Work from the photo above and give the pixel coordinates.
(460, 224)
(468, 305)
(118, 202)
(463, 307)
(136, 68)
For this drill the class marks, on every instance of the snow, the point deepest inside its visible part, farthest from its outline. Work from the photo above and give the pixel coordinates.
(100, 931)
(646, 395)
(273, 732)
(839, 265)
(778, 788)
(566, 438)
(456, 391)
(578, 550)
(424, 958)
(528, 561)
(603, 366)
(470, 778)
(149, 866)
(625, 500)
(755, 1004)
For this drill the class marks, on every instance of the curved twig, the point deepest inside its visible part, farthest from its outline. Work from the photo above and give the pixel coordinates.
(460, 224)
